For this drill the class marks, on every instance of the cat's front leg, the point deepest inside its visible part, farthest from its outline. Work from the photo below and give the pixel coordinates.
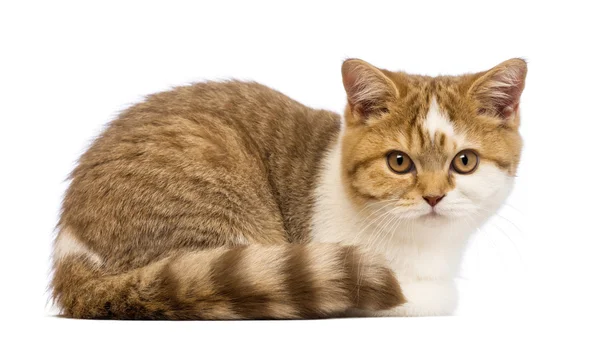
(423, 298)
(427, 298)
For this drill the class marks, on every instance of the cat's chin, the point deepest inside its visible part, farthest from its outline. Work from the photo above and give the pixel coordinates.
(439, 218)
(446, 219)
(433, 215)
(434, 218)
(426, 218)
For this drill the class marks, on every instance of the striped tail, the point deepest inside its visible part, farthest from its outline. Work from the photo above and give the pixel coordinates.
(253, 282)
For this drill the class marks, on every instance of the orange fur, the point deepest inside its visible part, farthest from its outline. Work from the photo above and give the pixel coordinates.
(197, 203)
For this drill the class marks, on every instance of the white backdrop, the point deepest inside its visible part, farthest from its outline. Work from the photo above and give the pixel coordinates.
(66, 68)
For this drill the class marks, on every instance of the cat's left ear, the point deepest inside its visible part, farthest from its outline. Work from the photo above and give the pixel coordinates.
(369, 90)
(498, 91)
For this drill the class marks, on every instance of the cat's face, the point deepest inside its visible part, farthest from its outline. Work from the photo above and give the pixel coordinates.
(432, 149)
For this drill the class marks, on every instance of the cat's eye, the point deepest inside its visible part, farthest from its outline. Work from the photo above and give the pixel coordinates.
(465, 162)
(399, 162)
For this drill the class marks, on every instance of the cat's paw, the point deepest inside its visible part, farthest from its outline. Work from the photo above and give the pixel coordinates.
(423, 298)
(427, 298)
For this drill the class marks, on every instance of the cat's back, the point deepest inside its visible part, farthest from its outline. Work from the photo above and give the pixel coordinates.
(257, 117)
(247, 102)
(199, 166)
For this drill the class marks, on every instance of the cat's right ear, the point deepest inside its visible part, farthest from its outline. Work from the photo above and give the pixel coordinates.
(369, 91)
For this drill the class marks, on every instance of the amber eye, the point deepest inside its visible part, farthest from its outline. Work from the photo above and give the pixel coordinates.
(465, 162)
(399, 162)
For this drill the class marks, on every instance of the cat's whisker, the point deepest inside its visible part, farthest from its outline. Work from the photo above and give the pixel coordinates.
(368, 225)
(384, 230)
(381, 231)
(495, 246)
(364, 228)
(514, 208)
(510, 222)
(387, 215)
(386, 204)
(514, 245)
(496, 212)
(520, 255)
(374, 203)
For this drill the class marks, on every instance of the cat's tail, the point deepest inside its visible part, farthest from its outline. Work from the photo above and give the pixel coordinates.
(251, 282)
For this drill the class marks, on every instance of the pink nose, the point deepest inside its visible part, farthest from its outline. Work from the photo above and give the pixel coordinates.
(433, 200)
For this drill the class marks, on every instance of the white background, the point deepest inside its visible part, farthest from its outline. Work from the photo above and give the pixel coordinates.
(67, 68)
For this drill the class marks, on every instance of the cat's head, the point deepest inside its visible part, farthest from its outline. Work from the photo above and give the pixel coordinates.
(431, 148)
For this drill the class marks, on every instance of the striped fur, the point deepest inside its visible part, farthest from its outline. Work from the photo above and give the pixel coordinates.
(249, 282)
(229, 200)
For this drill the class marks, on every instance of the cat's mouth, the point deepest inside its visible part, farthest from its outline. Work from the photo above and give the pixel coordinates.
(434, 214)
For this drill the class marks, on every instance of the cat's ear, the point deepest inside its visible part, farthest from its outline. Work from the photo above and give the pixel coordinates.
(368, 89)
(498, 91)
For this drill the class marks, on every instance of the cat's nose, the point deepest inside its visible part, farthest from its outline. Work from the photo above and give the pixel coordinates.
(433, 200)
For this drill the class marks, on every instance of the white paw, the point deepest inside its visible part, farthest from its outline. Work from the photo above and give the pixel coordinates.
(424, 298)
(427, 298)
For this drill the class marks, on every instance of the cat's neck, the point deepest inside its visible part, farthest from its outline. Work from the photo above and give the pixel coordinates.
(413, 248)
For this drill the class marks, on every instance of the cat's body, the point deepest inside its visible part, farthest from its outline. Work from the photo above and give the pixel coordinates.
(230, 200)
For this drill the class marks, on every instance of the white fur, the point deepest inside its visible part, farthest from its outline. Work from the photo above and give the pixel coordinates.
(436, 121)
(67, 244)
(425, 252)
(425, 298)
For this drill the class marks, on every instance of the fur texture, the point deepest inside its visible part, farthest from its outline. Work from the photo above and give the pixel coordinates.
(232, 201)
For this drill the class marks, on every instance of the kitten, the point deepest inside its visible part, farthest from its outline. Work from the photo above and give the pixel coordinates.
(232, 201)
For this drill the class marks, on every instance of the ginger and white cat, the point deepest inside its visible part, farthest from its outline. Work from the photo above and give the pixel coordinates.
(232, 201)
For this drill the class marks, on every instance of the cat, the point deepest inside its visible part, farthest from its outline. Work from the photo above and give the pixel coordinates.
(229, 200)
